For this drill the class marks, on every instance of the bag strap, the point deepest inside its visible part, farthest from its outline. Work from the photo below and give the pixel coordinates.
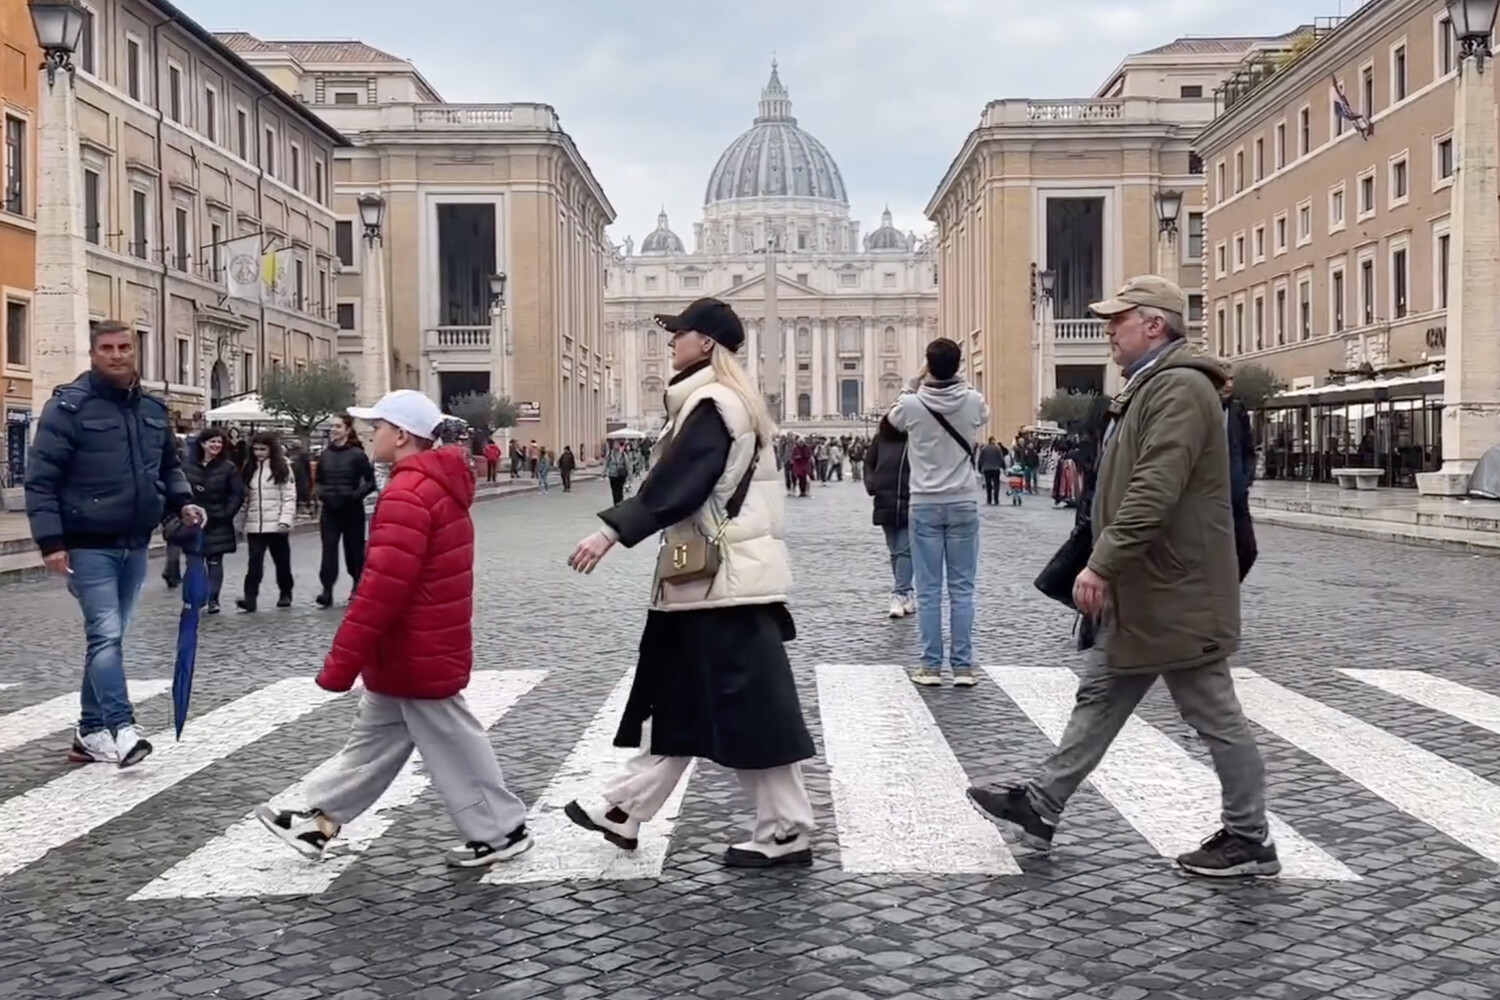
(962, 442)
(737, 499)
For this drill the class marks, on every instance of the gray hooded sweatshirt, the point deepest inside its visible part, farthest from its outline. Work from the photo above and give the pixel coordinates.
(940, 471)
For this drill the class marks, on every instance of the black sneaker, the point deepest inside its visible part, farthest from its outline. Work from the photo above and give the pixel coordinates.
(324, 599)
(1228, 855)
(246, 604)
(284, 601)
(1013, 808)
(212, 608)
(298, 829)
(477, 854)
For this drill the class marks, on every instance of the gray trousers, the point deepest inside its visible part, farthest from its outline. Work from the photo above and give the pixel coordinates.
(1205, 697)
(456, 756)
(781, 804)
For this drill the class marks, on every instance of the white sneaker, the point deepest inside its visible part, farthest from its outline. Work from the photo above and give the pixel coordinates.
(617, 827)
(131, 746)
(898, 608)
(793, 850)
(94, 748)
(909, 606)
(299, 829)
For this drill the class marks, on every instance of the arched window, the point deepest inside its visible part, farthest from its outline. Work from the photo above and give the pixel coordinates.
(890, 388)
(651, 396)
(804, 340)
(890, 340)
(804, 405)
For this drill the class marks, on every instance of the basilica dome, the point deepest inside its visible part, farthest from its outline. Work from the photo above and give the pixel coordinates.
(662, 239)
(887, 237)
(775, 158)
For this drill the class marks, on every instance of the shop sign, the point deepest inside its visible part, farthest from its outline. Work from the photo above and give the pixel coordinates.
(528, 412)
(1437, 337)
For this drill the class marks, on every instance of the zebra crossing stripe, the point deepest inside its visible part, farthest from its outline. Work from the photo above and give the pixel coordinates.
(247, 861)
(7, 687)
(1433, 789)
(564, 851)
(51, 815)
(898, 789)
(1477, 708)
(55, 714)
(1170, 798)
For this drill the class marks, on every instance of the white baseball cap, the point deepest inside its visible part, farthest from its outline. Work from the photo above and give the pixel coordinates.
(407, 409)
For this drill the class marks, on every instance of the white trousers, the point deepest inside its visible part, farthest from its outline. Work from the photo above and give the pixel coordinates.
(781, 804)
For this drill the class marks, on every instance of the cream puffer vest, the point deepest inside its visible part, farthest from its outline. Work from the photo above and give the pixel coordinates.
(754, 568)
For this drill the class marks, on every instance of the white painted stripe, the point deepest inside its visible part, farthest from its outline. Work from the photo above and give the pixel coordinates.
(1477, 708)
(56, 714)
(1418, 782)
(564, 851)
(7, 687)
(898, 790)
(49, 816)
(1170, 798)
(247, 861)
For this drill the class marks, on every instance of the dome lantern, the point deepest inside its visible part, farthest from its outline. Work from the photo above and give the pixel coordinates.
(662, 240)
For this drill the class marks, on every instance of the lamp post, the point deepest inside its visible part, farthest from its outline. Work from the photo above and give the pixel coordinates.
(500, 352)
(1471, 372)
(375, 347)
(60, 306)
(1168, 208)
(1046, 353)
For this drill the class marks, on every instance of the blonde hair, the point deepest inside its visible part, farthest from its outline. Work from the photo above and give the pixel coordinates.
(729, 371)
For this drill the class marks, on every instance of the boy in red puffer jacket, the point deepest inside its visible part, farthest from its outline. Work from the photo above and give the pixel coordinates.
(409, 633)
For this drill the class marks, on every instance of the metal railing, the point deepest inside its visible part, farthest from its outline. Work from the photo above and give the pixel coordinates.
(459, 338)
(1079, 330)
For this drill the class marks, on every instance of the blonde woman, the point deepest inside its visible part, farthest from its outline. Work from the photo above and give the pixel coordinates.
(712, 674)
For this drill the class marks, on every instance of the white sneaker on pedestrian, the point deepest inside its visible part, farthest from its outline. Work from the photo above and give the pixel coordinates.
(792, 850)
(610, 820)
(94, 748)
(299, 830)
(478, 854)
(898, 608)
(927, 677)
(909, 605)
(131, 746)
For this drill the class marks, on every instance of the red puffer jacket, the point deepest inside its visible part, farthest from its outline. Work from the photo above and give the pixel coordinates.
(409, 630)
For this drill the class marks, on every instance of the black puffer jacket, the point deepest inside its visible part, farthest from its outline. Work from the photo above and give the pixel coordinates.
(345, 476)
(219, 490)
(888, 477)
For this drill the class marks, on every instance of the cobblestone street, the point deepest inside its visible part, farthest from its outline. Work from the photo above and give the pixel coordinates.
(1388, 789)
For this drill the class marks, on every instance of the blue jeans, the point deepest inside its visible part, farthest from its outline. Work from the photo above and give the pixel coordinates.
(898, 543)
(945, 543)
(106, 583)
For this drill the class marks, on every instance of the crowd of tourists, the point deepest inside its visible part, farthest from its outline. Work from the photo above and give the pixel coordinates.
(1160, 544)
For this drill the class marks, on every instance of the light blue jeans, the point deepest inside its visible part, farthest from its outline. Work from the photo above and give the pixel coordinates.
(945, 544)
(106, 583)
(898, 543)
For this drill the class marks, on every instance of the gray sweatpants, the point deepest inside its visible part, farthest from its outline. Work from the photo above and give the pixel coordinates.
(456, 755)
(1205, 697)
(781, 804)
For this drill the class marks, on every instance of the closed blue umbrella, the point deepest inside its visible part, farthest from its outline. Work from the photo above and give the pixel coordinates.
(194, 597)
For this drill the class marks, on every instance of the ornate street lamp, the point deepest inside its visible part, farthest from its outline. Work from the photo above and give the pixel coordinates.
(59, 26)
(1168, 208)
(1048, 281)
(371, 215)
(497, 288)
(1473, 25)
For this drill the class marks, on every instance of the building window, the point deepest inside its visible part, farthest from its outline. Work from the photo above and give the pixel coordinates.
(15, 166)
(215, 248)
(268, 155)
(1258, 243)
(1221, 259)
(650, 283)
(1220, 332)
(1400, 180)
(181, 258)
(174, 93)
(211, 115)
(1398, 73)
(1304, 132)
(1446, 63)
(1259, 312)
(299, 273)
(133, 75)
(1367, 91)
(1442, 165)
(343, 242)
(247, 371)
(140, 221)
(1239, 170)
(1304, 308)
(346, 315)
(848, 279)
(1219, 169)
(1239, 251)
(1442, 259)
(319, 193)
(1279, 317)
(17, 334)
(1239, 328)
(888, 279)
(1336, 299)
(184, 361)
(1336, 209)
(692, 281)
(1191, 90)
(296, 165)
(1279, 234)
(346, 97)
(87, 43)
(1304, 223)
(1366, 190)
(1195, 307)
(1337, 123)
(1400, 280)
(1195, 236)
(1260, 159)
(735, 280)
(241, 134)
(1280, 145)
(1195, 163)
(1367, 292)
(802, 277)
(91, 213)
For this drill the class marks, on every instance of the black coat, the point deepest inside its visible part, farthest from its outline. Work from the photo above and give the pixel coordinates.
(1241, 455)
(888, 481)
(219, 490)
(345, 476)
(714, 682)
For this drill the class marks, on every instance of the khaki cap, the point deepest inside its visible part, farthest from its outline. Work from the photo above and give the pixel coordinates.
(1144, 290)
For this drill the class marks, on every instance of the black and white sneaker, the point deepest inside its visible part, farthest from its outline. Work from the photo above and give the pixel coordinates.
(612, 821)
(1012, 809)
(300, 830)
(1228, 855)
(794, 849)
(130, 746)
(477, 854)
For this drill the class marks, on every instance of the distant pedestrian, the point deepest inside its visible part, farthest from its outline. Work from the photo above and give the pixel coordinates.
(887, 477)
(543, 469)
(566, 463)
(617, 471)
(219, 490)
(409, 636)
(270, 513)
(345, 478)
(992, 463)
(491, 461)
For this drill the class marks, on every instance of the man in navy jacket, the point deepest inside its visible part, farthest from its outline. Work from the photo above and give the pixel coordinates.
(101, 473)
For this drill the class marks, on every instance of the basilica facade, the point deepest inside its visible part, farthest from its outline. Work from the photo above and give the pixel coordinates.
(854, 314)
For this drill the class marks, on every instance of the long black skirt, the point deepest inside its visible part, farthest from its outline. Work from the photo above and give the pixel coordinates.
(716, 683)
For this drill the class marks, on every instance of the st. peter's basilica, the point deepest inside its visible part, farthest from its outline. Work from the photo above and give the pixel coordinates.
(855, 314)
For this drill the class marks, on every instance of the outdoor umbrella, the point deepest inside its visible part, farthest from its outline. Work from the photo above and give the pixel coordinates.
(194, 596)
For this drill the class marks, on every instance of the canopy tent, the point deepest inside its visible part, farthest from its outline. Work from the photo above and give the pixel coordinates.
(244, 409)
(1485, 479)
(626, 434)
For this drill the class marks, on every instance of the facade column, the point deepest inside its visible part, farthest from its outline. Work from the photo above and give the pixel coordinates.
(1471, 374)
(754, 337)
(59, 304)
(819, 365)
(375, 345)
(789, 372)
(868, 365)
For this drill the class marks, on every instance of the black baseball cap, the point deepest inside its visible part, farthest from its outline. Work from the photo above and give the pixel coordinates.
(710, 317)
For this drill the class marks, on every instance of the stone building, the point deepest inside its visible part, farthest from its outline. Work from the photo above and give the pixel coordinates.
(18, 96)
(853, 314)
(1070, 190)
(471, 191)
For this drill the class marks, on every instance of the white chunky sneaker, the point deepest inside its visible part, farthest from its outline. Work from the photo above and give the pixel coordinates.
(791, 850)
(478, 854)
(898, 608)
(612, 821)
(299, 829)
(94, 748)
(909, 606)
(131, 746)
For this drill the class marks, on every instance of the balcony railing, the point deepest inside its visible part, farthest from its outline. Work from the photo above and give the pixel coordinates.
(441, 117)
(1079, 331)
(458, 338)
(1098, 111)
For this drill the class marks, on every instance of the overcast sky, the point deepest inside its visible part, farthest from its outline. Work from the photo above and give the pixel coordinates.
(652, 91)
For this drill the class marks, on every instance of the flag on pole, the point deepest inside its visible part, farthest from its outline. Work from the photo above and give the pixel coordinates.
(242, 276)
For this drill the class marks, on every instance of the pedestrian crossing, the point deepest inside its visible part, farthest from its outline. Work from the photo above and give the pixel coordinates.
(895, 783)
